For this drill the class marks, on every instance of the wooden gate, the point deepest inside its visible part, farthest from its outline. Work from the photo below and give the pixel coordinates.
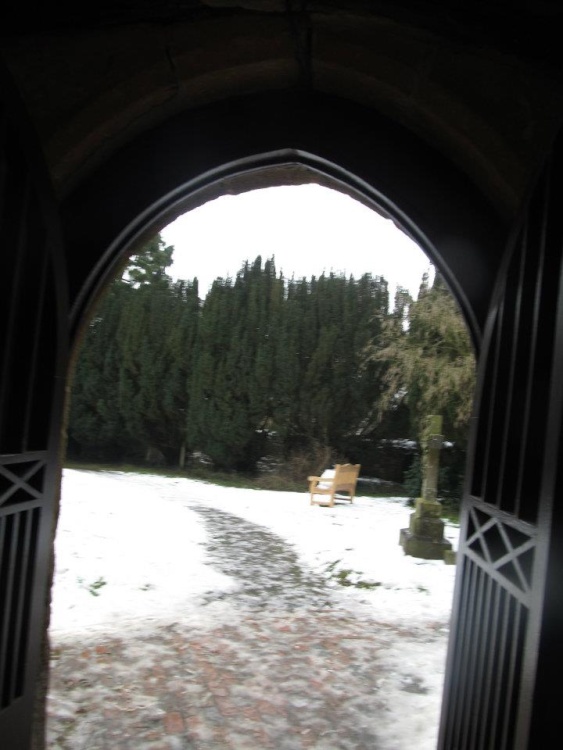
(33, 357)
(491, 698)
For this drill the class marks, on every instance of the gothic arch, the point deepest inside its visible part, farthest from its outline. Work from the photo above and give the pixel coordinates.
(440, 116)
(279, 139)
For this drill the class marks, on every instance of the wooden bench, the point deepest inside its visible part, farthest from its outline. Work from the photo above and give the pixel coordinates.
(333, 483)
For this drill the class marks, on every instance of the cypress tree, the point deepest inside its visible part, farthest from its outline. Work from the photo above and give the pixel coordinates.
(231, 400)
(131, 382)
(96, 428)
(428, 359)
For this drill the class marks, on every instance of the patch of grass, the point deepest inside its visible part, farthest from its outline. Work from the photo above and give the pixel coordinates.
(343, 577)
(451, 513)
(331, 566)
(125, 468)
(367, 584)
(380, 489)
(277, 482)
(93, 588)
(349, 577)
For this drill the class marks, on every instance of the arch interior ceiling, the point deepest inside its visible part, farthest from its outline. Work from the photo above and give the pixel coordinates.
(480, 81)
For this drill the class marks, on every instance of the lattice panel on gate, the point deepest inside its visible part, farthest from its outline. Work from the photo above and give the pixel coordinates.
(21, 479)
(18, 541)
(487, 668)
(33, 314)
(511, 432)
(21, 494)
(505, 547)
(29, 319)
(502, 558)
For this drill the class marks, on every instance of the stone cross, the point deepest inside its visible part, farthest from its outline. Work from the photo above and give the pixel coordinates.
(425, 535)
(431, 441)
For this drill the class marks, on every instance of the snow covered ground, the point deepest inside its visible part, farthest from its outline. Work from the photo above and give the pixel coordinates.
(131, 554)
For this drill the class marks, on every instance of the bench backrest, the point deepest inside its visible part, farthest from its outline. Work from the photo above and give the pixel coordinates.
(346, 475)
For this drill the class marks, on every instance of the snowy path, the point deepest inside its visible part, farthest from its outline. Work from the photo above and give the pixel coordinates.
(266, 568)
(153, 571)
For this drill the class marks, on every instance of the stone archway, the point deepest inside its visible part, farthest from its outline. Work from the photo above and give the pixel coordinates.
(447, 115)
(238, 145)
(404, 178)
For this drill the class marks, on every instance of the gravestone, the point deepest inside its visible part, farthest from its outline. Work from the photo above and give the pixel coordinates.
(425, 535)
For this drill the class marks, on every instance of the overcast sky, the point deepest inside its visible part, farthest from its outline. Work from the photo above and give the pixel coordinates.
(308, 229)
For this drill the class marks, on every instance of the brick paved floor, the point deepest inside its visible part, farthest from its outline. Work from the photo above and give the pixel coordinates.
(303, 681)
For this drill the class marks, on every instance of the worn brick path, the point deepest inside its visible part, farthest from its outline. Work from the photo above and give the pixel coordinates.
(293, 681)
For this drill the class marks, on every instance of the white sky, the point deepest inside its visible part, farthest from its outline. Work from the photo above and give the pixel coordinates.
(139, 535)
(308, 228)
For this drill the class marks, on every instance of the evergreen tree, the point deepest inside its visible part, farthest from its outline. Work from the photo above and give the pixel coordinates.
(181, 342)
(295, 341)
(233, 401)
(161, 373)
(96, 427)
(429, 360)
(150, 264)
(131, 382)
(321, 393)
(156, 337)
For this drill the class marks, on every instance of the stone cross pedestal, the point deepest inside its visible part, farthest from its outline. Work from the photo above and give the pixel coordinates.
(425, 536)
